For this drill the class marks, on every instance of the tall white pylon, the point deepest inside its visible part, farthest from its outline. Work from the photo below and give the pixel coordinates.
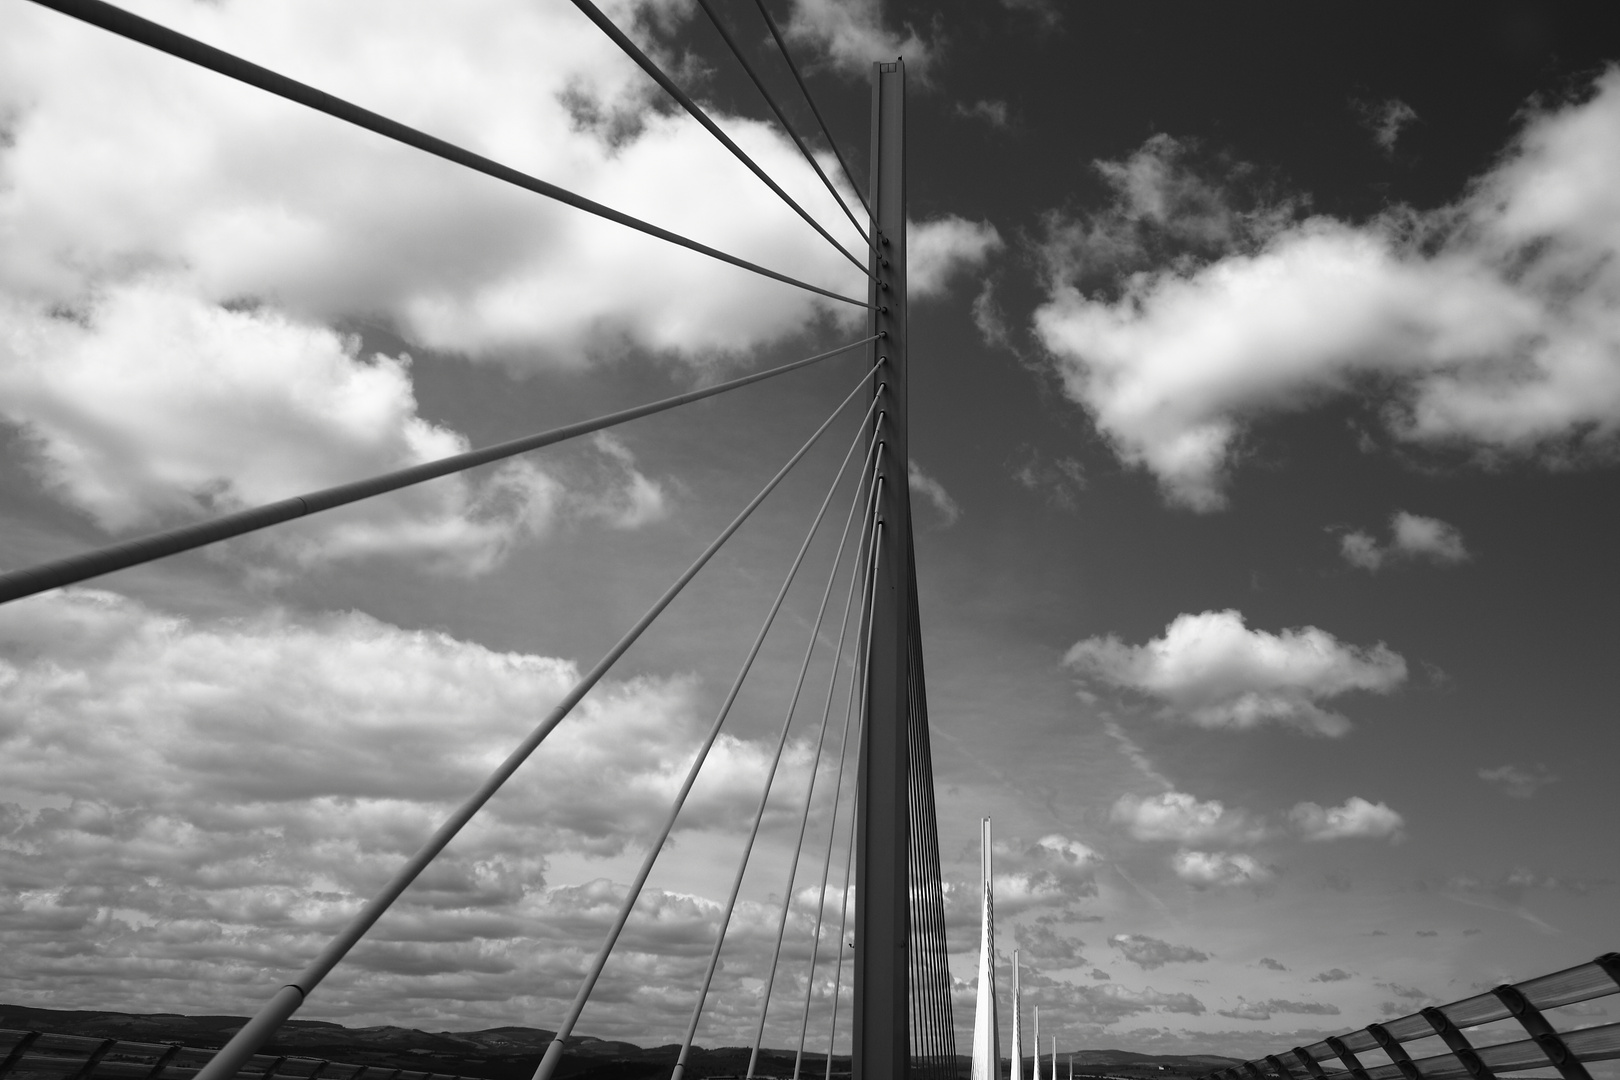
(1054, 1057)
(986, 1026)
(1018, 1022)
(1035, 1055)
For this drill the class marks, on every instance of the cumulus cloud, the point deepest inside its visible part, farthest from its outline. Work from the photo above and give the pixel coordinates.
(1264, 1010)
(1040, 943)
(1180, 817)
(149, 406)
(940, 248)
(1519, 781)
(1149, 952)
(1487, 325)
(1413, 537)
(1332, 975)
(852, 36)
(1272, 965)
(204, 798)
(1212, 671)
(1050, 873)
(458, 262)
(1357, 818)
(1219, 869)
(934, 492)
(1114, 1001)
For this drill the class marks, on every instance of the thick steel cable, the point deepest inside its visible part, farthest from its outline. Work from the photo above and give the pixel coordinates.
(781, 44)
(781, 117)
(75, 568)
(838, 970)
(553, 1054)
(781, 741)
(934, 995)
(632, 50)
(131, 26)
(792, 868)
(252, 1035)
(854, 819)
(826, 864)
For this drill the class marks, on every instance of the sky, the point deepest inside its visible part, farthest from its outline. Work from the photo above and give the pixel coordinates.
(1265, 399)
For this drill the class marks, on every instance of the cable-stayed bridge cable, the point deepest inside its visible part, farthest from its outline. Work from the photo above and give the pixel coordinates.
(252, 1035)
(75, 568)
(826, 863)
(553, 1053)
(781, 117)
(776, 33)
(793, 865)
(843, 916)
(632, 50)
(781, 741)
(131, 26)
(849, 856)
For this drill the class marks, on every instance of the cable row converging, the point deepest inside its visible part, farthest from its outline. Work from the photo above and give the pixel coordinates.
(125, 24)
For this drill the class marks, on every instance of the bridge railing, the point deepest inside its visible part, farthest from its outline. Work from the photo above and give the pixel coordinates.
(36, 1055)
(1545, 1047)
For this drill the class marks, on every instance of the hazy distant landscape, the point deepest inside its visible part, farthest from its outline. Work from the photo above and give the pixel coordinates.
(505, 1053)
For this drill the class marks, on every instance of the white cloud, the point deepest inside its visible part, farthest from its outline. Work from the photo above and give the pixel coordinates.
(1180, 817)
(1361, 549)
(1357, 818)
(940, 248)
(1517, 781)
(149, 405)
(1426, 537)
(852, 35)
(1488, 325)
(1205, 869)
(1050, 873)
(1211, 670)
(1385, 119)
(993, 112)
(933, 491)
(242, 195)
(1413, 537)
(198, 799)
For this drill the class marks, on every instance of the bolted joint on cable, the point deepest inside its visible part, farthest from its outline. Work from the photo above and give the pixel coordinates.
(884, 334)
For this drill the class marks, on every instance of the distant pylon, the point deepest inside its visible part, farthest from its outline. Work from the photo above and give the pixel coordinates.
(1018, 1022)
(1054, 1057)
(1035, 1041)
(986, 1027)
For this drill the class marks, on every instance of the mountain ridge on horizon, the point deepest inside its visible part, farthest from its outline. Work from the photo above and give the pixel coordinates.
(507, 1052)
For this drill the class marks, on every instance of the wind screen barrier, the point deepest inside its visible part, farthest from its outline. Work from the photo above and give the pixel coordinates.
(1540, 1045)
(35, 1055)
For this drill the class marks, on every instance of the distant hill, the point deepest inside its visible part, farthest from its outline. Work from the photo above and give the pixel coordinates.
(505, 1053)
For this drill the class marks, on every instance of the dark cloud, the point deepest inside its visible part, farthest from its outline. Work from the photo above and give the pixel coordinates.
(1264, 1010)
(1044, 945)
(1268, 962)
(1149, 952)
(1332, 975)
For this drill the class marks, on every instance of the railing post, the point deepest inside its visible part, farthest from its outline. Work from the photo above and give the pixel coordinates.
(882, 879)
